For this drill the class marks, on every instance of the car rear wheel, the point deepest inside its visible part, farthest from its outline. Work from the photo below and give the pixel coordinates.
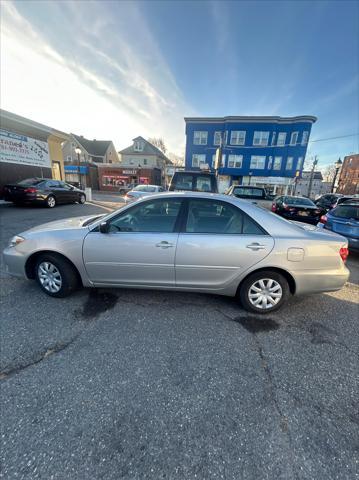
(264, 292)
(55, 275)
(51, 201)
(82, 199)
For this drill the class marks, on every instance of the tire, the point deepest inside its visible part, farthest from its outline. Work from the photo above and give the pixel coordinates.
(51, 201)
(122, 192)
(64, 277)
(274, 284)
(82, 199)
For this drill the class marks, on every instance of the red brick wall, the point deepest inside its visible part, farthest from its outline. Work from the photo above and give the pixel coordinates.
(349, 176)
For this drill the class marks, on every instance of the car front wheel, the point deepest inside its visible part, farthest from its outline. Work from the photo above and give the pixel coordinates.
(264, 292)
(55, 275)
(82, 199)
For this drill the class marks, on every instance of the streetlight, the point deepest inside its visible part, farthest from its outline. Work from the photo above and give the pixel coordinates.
(337, 165)
(78, 152)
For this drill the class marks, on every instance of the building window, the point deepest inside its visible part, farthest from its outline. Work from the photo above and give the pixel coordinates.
(198, 160)
(200, 138)
(300, 163)
(277, 165)
(273, 138)
(258, 162)
(235, 161)
(294, 138)
(217, 138)
(145, 161)
(260, 138)
(305, 138)
(289, 164)
(69, 158)
(238, 137)
(281, 138)
(138, 146)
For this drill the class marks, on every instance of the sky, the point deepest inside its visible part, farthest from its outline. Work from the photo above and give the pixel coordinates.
(116, 69)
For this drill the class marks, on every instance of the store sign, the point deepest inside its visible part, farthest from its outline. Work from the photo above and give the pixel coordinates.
(75, 169)
(23, 150)
(129, 172)
(267, 180)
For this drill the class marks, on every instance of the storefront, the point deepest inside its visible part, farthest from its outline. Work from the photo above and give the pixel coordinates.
(29, 149)
(273, 185)
(85, 175)
(112, 177)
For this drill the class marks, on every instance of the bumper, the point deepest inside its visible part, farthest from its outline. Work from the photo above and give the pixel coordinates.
(320, 281)
(353, 243)
(14, 262)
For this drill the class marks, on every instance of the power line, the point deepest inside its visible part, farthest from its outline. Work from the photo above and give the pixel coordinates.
(334, 138)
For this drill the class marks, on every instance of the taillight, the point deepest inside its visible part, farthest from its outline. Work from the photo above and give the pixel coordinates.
(274, 207)
(344, 252)
(30, 190)
(323, 219)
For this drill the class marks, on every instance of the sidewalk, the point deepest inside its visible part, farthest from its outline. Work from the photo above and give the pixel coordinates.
(109, 200)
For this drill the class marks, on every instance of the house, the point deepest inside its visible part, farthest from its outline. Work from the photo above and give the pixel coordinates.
(318, 187)
(29, 149)
(265, 151)
(348, 183)
(142, 154)
(82, 167)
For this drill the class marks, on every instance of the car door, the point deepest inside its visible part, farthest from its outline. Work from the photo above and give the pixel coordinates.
(139, 248)
(219, 243)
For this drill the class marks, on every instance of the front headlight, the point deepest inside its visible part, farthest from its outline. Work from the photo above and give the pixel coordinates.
(16, 240)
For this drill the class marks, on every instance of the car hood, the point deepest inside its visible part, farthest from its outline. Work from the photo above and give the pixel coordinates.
(64, 224)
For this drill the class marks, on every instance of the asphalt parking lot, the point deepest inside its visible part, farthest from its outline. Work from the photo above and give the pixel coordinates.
(129, 384)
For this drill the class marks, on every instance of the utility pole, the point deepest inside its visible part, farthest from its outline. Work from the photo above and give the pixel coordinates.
(312, 175)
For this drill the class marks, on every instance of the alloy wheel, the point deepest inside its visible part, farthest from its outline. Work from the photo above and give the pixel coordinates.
(265, 293)
(51, 202)
(50, 277)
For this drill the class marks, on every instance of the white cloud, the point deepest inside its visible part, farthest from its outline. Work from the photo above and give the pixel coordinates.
(91, 91)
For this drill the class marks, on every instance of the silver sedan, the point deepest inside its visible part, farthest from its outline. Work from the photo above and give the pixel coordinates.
(184, 241)
(142, 191)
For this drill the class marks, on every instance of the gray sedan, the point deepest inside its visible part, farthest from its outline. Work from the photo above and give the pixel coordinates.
(184, 241)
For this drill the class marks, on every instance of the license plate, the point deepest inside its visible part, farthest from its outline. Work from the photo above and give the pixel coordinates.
(303, 214)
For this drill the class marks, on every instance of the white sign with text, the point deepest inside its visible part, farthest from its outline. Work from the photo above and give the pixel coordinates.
(23, 150)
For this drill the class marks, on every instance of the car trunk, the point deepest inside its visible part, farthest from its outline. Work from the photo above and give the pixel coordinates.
(344, 226)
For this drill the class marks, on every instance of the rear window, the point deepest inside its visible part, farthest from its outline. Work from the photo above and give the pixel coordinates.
(346, 211)
(298, 201)
(196, 183)
(141, 188)
(248, 192)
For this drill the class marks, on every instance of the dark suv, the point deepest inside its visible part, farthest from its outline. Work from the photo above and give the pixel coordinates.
(194, 182)
(328, 201)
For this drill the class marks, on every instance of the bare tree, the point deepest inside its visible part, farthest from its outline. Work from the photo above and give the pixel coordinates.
(329, 173)
(177, 160)
(159, 143)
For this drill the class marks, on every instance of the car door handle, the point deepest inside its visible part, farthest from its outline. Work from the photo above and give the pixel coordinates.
(164, 244)
(256, 246)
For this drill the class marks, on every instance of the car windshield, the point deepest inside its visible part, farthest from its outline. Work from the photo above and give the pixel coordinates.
(298, 201)
(346, 211)
(31, 181)
(141, 188)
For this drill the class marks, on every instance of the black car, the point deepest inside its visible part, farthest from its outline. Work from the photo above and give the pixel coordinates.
(193, 181)
(300, 209)
(44, 191)
(328, 201)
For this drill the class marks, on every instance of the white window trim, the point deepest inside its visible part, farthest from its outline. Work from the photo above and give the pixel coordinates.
(280, 163)
(239, 159)
(257, 157)
(263, 135)
(199, 161)
(296, 138)
(286, 163)
(241, 137)
(214, 138)
(300, 160)
(200, 134)
(280, 134)
(305, 139)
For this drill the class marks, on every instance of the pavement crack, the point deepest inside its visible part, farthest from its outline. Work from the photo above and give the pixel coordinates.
(57, 348)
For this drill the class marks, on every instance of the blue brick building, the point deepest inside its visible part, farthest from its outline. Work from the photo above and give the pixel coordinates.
(265, 151)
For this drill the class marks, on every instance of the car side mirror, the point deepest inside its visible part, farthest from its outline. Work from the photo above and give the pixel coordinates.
(104, 227)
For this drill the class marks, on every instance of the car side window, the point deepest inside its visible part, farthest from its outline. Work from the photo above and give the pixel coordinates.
(211, 216)
(151, 216)
(52, 184)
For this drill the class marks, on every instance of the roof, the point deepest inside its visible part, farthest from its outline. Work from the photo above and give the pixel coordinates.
(96, 148)
(148, 149)
(251, 119)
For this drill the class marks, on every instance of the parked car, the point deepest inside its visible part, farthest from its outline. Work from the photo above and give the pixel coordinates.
(257, 195)
(345, 199)
(43, 191)
(328, 201)
(301, 209)
(184, 241)
(142, 191)
(344, 219)
(193, 182)
(123, 189)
